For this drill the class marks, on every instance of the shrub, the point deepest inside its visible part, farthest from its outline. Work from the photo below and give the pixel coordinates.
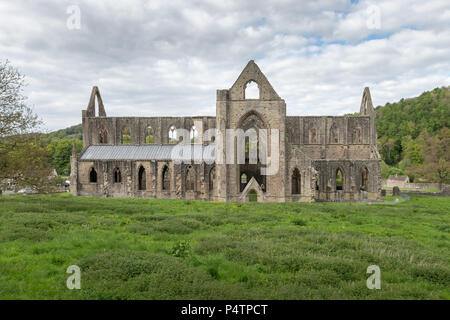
(181, 249)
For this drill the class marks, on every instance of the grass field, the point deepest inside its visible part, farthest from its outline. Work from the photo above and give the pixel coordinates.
(177, 249)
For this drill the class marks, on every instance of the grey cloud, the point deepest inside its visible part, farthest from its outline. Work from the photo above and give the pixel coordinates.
(169, 57)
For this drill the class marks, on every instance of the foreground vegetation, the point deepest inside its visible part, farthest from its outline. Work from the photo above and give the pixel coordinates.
(176, 249)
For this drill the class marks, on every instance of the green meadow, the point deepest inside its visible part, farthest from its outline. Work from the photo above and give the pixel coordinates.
(178, 249)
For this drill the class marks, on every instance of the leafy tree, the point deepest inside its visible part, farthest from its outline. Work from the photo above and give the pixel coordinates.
(15, 116)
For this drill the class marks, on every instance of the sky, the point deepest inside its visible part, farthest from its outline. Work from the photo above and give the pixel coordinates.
(168, 58)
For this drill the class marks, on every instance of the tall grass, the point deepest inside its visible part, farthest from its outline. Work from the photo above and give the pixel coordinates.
(176, 249)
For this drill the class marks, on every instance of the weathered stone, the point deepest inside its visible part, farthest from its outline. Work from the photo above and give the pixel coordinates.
(312, 150)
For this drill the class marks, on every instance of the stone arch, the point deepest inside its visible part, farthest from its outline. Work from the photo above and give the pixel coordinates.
(296, 182)
(366, 103)
(125, 135)
(91, 106)
(339, 179)
(142, 179)
(103, 135)
(117, 176)
(92, 175)
(165, 177)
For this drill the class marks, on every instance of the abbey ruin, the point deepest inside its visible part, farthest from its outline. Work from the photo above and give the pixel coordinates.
(318, 158)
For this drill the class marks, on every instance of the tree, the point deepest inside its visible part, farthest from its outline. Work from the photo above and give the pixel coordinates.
(15, 116)
(436, 157)
(61, 152)
(23, 159)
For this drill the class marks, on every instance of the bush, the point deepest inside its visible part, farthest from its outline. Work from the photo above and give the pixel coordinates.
(181, 249)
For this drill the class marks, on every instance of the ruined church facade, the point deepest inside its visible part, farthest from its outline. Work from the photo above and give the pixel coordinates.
(320, 158)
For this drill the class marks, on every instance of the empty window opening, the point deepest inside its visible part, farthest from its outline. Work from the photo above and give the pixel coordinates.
(296, 182)
(117, 176)
(166, 178)
(142, 184)
(339, 179)
(93, 176)
(212, 178)
(251, 90)
(125, 136)
(364, 178)
(193, 134)
(172, 135)
(149, 139)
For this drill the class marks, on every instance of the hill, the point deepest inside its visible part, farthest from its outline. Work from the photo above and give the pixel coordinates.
(413, 136)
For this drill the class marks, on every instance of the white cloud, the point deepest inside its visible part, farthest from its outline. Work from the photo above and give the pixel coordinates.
(168, 57)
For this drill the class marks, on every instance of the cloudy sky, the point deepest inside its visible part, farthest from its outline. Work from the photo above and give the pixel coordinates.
(156, 58)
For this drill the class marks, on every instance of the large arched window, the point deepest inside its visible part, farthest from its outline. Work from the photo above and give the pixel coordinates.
(364, 178)
(166, 178)
(339, 179)
(103, 135)
(212, 178)
(251, 90)
(93, 176)
(149, 139)
(142, 181)
(296, 187)
(193, 134)
(117, 176)
(172, 135)
(190, 179)
(125, 137)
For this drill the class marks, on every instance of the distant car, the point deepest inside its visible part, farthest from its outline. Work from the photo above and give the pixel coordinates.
(25, 191)
(67, 183)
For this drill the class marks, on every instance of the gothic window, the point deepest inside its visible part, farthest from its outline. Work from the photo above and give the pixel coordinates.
(166, 178)
(212, 178)
(364, 177)
(318, 182)
(312, 135)
(117, 176)
(357, 135)
(103, 135)
(93, 176)
(149, 139)
(125, 137)
(339, 179)
(193, 134)
(334, 134)
(243, 178)
(251, 90)
(296, 187)
(142, 184)
(190, 179)
(172, 135)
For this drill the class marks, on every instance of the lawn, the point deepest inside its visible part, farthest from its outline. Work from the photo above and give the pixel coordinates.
(177, 249)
